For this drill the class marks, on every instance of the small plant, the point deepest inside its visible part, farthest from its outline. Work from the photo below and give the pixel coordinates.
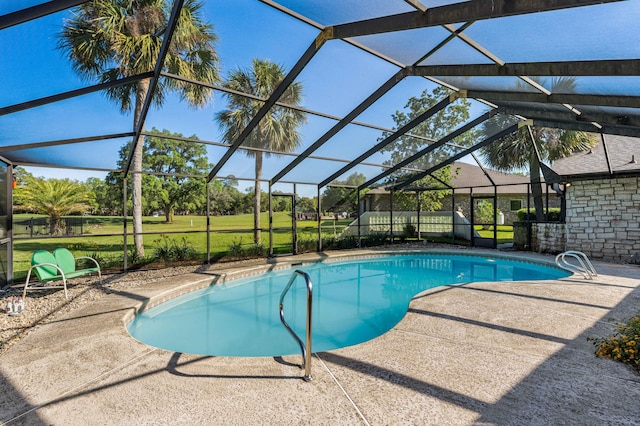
(307, 244)
(134, 258)
(351, 241)
(255, 250)
(624, 345)
(99, 258)
(163, 249)
(373, 240)
(182, 251)
(169, 250)
(409, 231)
(235, 249)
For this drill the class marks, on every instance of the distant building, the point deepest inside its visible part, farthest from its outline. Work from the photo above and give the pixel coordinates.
(472, 182)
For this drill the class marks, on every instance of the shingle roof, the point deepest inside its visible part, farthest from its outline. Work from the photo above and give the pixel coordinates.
(465, 176)
(622, 152)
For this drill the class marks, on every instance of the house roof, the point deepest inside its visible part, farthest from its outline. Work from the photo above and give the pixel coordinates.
(465, 176)
(613, 155)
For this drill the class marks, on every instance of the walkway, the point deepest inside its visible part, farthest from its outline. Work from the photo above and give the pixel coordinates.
(485, 353)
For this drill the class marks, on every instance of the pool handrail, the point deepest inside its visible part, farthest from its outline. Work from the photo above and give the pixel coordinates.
(305, 349)
(585, 268)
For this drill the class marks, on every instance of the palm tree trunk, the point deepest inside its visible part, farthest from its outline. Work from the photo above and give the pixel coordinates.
(257, 233)
(136, 169)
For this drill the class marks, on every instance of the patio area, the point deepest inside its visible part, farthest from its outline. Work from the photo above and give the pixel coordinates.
(481, 353)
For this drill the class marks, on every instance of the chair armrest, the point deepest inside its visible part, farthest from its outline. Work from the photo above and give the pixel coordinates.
(90, 258)
(61, 276)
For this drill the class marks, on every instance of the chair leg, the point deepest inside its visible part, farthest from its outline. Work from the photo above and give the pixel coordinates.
(24, 292)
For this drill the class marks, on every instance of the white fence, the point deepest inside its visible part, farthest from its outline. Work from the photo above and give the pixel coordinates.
(435, 224)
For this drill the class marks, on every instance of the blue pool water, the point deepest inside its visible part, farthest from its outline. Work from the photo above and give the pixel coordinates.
(353, 301)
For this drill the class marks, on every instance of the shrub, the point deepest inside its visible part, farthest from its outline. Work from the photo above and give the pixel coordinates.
(182, 251)
(408, 231)
(373, 240)
(255, 250)
(351, 241)
(169, 250)
(235, 248)
(238, 251)
(307, 244)
(134, 258)
(484, 214)
(624, 345)
(553, 215)
(340, 243)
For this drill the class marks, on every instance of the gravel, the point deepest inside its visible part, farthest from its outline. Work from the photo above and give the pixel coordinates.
(47, 305)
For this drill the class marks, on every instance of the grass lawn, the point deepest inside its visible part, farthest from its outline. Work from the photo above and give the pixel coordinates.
(504, 234)
(103, 235)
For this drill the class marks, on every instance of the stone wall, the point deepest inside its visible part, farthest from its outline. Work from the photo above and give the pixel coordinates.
(548, 237)
(603, 218)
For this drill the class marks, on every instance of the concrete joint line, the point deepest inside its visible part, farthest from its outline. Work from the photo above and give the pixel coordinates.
(343, 391)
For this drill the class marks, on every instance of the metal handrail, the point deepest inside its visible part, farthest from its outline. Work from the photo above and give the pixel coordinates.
(585, 268)
(306, 350)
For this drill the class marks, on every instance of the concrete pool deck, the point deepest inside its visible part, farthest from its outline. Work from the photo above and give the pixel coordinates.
(482, 353)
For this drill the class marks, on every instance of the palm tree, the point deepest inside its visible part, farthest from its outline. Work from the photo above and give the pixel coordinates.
(277, 131)
(111, 39)
(53, 197)
(516, 151)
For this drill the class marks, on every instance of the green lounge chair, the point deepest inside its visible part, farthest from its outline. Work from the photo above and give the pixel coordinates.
(61, 265)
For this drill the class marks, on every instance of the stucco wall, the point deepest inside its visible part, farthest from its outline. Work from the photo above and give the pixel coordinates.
(603, 218)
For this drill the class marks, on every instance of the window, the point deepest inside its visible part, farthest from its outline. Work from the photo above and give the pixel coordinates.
(516, 205)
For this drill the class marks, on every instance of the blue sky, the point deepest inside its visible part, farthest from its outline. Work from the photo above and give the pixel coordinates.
(336, 80)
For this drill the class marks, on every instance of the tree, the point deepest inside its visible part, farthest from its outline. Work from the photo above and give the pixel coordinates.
(53, 197)
(517, 150)
(277, 131)
(435, 127)
(21, 175)
(338, 197)
(306, 204)
(485, 214)
(113, 39)
(170, 167)
(174, 163)
(225, 197)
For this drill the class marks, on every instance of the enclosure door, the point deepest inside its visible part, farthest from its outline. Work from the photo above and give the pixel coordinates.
(483, 218)
(6, 248)
(282, 225)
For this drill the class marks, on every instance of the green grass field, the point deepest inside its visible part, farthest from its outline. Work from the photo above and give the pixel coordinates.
(102, 236)
(504, 235)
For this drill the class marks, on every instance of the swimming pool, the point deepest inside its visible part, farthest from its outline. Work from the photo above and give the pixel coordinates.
(353, 301)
